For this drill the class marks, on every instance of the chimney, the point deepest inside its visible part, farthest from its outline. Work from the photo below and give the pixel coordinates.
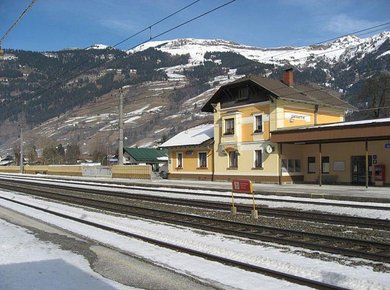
(288, 78)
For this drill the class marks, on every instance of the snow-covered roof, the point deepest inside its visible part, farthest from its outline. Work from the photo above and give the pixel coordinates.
(192, 136)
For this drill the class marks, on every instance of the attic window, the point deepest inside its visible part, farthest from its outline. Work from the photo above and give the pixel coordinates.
(243, 94)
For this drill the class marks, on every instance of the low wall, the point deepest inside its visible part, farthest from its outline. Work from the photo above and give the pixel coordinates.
(10, 169)
(69, 170)
(116, 171)
(132, 171)
(96, 171)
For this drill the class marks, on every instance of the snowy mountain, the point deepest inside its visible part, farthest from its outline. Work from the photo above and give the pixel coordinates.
(98, 46)
(342, 49)
(165, 84)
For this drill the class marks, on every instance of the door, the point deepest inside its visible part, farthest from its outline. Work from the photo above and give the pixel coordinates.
(358, 166)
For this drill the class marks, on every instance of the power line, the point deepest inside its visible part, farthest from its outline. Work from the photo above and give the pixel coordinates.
(253, 62)
(59, 82)
(165, 32)
(17, 21)
(242, 65)
(186, 22)
(156, 23)
(370, 28)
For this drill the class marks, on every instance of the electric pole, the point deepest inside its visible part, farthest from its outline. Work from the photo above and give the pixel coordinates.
(21, 150)
(120, 153)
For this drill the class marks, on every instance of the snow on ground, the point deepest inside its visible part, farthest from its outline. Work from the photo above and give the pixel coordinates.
(172, 117)
(160, 130)
(383, 54)
(28, 263)
(279, 258)
(98, 46)
(132, 119)
(138, 112)
(155, 109)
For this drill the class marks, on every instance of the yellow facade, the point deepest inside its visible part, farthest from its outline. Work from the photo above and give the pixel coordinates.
(187, 161)
(249, 143)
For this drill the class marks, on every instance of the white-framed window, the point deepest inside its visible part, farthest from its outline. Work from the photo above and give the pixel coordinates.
(229, 126)
(258, 124)
(202, 159)
(233, 159)
(179, 160)
(258, 159)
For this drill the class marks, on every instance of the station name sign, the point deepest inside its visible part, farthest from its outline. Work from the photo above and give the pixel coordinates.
(387, 146)
(242, 186)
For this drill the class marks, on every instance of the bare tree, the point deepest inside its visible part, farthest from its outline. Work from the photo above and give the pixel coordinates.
(72, 153)
(375, 95)
(31, 153)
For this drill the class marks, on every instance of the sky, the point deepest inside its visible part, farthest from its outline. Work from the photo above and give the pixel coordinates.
(58, 24)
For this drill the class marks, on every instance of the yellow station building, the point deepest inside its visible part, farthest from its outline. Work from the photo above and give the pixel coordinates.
(272, 131)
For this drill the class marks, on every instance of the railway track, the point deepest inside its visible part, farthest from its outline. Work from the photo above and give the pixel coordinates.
(143, 194)
(103, 184)
(374, 251)
(226, 261)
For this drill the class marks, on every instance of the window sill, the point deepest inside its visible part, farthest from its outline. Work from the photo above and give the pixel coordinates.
(178, 168)
(228, 134)
(257, 168)
(232, 168)
(258, 132)
(200, 168)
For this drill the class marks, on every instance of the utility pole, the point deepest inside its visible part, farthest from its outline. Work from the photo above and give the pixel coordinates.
(21, 149)
(120, 153)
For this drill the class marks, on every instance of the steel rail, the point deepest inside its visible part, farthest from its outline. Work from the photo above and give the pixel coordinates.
(226, 261)
(196, 191)
(345, 246)
(265, 211)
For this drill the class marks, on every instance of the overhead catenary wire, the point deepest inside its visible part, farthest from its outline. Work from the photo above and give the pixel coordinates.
(197, 17)
(60, 82)
(154, 24)
(252, 62)
(95, 66)
(16, 21)
(13, 26)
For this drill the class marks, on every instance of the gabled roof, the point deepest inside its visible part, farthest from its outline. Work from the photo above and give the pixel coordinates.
(146, 154)
(298, 93)
(191, 137)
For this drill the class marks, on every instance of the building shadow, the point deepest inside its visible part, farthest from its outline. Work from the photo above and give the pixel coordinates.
(48, 275)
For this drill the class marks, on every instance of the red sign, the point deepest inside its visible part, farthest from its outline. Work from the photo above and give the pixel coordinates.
(242, 185)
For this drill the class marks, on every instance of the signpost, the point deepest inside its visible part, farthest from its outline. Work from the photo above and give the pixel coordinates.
(243, 186)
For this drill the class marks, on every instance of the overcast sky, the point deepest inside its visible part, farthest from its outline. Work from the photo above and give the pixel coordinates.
(58, 24)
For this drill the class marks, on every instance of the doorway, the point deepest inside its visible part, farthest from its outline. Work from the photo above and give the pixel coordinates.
(358, 166)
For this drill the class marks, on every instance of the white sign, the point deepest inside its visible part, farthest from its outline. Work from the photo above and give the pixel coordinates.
(294, 116)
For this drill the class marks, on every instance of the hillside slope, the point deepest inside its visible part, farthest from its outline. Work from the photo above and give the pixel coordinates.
(72, 95)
